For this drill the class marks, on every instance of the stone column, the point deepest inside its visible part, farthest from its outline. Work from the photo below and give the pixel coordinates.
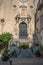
(28, 26)
(17, 23)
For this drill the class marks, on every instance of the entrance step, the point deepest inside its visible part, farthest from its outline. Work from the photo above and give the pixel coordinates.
(23, 40)
(26, 40)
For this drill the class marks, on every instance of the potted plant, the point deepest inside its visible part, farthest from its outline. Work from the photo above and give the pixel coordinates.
(14, 54)
(1, 46)
(0, 51)
(37, 53)
(4, 55)
(4, 39)
(24, 46)
(41, 49)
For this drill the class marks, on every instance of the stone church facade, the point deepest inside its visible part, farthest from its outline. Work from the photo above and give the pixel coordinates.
(17, 17)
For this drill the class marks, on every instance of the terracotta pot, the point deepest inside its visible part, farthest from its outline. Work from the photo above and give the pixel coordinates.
(38, 55)
(42, 55)
(14, 56)
(0, 53)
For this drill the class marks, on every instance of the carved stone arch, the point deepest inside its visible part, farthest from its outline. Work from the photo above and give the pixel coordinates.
(23, 21)
(20, 19)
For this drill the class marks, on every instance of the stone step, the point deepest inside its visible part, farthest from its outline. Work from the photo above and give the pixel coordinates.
(23, 40)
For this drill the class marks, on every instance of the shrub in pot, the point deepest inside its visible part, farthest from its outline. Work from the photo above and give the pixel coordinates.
(0, 51)
(24, 46)
(14, 54)
(4, 39)
(37, 53)
(4, 55)
(41, 49)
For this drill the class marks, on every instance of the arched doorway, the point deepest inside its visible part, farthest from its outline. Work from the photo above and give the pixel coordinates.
(23, 30)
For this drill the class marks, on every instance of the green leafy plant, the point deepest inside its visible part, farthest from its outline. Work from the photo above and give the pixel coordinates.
(14, 54)
(41, 49)
(37, 53)
(0, 50)
(5, 52)
(1, 42)
(24, 46)
(4, 38)
(4, 55)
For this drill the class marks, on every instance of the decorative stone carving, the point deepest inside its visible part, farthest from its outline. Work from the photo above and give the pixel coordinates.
(23, 6)
(23, 1)
(2, 21)
(18, 17)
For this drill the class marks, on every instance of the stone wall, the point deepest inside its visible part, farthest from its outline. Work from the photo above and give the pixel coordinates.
(9, 9)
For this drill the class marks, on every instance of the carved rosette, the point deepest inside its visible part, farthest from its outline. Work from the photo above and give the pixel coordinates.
(2, 21)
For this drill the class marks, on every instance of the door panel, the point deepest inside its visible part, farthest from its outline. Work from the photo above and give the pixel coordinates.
(23, 30)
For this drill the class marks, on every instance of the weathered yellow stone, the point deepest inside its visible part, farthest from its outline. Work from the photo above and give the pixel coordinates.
(9, 9)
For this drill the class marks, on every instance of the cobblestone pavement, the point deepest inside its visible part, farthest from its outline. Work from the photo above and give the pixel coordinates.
(26, 61)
